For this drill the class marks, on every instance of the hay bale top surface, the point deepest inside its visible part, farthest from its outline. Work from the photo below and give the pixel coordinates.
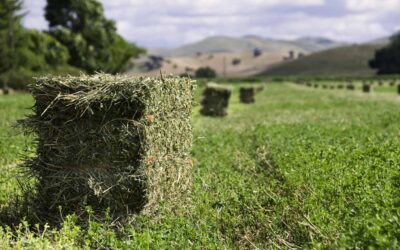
(84, 91)
(218, 87)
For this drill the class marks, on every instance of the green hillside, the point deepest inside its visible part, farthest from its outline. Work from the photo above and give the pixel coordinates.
(343, 61)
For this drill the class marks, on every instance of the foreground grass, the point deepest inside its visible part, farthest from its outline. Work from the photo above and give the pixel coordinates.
(301, 168)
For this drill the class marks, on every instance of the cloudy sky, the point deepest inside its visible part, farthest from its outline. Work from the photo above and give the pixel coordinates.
(171, 23)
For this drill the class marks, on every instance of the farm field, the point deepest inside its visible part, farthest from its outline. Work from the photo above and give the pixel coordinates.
(300, 168)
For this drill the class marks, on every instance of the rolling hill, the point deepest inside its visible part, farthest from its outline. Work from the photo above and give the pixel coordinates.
(229, 56)
(225, 44)
(343, 61)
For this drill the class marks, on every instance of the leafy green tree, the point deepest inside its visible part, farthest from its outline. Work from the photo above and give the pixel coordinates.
(91, 39)
(387, 60)
(205, 72)
(10, 32)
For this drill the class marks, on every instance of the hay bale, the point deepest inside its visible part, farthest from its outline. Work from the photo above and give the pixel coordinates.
(350, 86)
(366, 88)
(324, 86)
(398, 89)
(215, 100)
(247, 94)
(340, 86)
(259, 89)
(316, 86)
(8, 91)
(111, 142)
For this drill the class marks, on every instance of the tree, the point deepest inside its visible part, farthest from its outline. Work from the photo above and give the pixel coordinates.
(91, 39)
(387, 60)
(205, 72)
(10, 32)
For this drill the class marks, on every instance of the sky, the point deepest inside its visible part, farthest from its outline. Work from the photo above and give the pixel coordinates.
(172, 23)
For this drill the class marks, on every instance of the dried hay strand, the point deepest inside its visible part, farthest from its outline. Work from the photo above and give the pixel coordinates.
(215, 100)
(247, 94)
(366, 88)
(111, 142)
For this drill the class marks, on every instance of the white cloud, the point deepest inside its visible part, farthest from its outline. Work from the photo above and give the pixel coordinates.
(167, 23)
(373, 5)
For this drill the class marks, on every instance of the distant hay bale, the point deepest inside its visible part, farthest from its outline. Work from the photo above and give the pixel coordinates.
(380, 83)
(308, 84)
(7, 91)
(316, 86)
(350, 86)
(340, 86)
(324, 86)
(392, 83)
(398, 89)
(247, 94)
(111, 142)
(215, 100)
(366, 88)
(332, 87)
(259, 89)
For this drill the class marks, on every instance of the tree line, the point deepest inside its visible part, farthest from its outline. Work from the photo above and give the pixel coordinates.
(79, 38)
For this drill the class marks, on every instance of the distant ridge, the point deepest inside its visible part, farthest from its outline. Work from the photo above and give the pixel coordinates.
(225, 44)
(343, 61)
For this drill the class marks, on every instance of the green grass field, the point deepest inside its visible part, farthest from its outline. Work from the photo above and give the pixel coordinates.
(301, 168)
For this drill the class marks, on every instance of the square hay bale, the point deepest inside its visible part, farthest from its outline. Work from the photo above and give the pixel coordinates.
(259, 89)
(7, 91)
(111, 142)
(350, 86)
(215, 100)
(247, 94)
(366, 88)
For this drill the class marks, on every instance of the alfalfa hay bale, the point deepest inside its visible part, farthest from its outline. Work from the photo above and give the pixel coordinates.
(259, 89)
(215, 100)
(366, 88)
(247, 94)
(111, 142)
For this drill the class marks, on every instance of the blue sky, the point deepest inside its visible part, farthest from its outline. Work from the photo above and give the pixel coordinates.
(171, 23)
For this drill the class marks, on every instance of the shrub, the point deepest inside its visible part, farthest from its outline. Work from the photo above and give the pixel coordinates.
(205, 72)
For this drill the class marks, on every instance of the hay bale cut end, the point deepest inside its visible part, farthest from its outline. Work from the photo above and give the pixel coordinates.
(215, 100)
(111, 142)
(247, 94)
